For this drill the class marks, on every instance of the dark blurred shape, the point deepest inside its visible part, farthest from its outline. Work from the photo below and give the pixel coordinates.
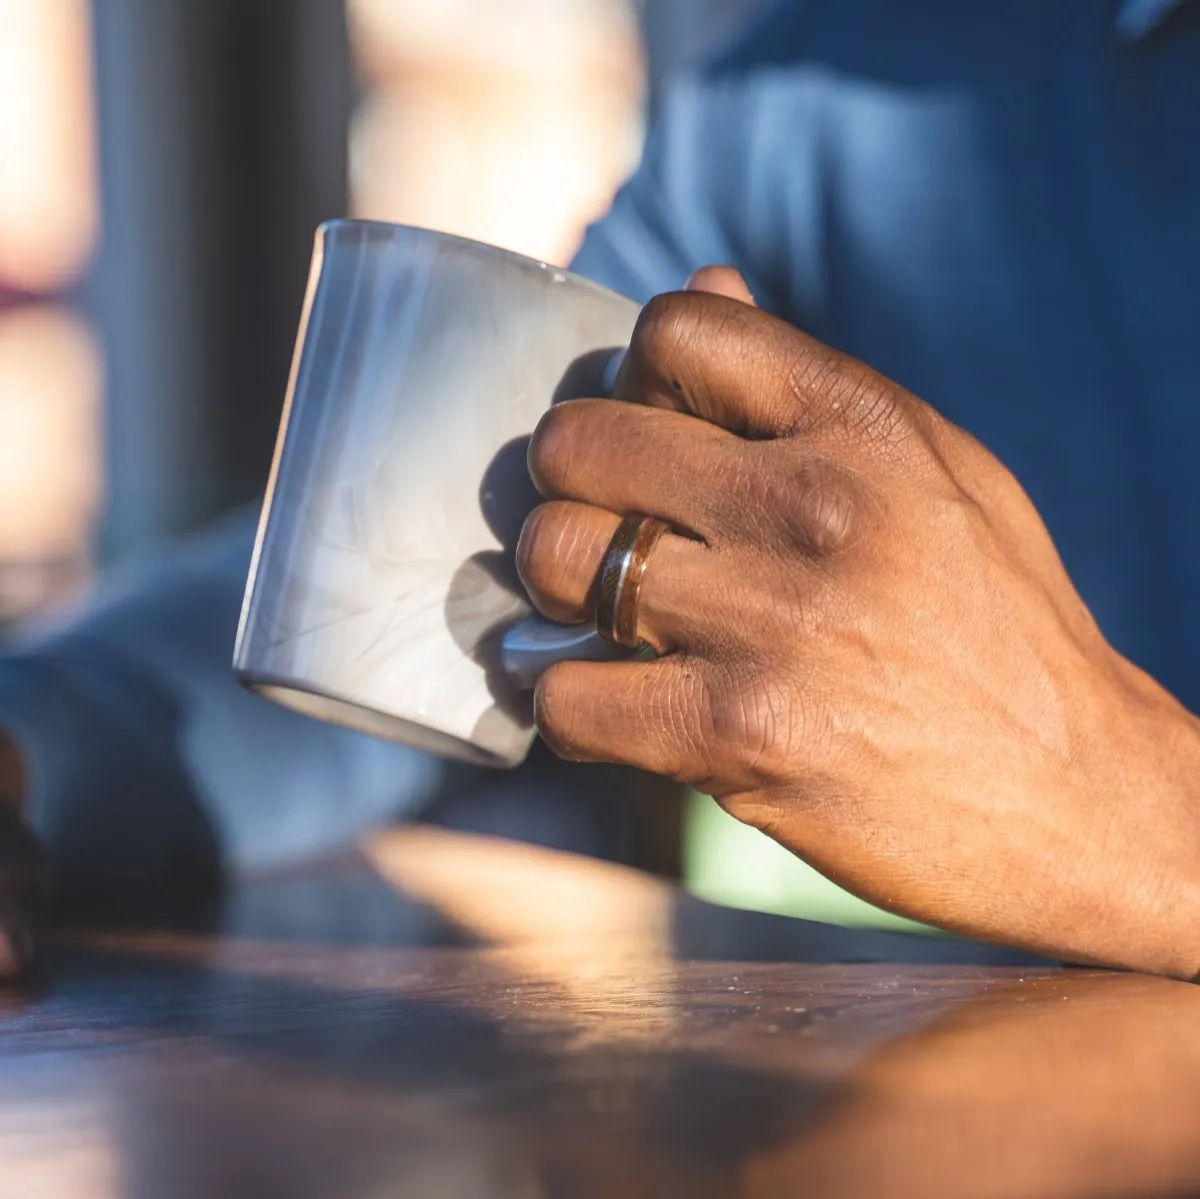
(581, 1031)
(222, 146)
(223, 143)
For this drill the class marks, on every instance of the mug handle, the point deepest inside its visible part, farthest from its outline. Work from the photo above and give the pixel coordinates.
(533, 645)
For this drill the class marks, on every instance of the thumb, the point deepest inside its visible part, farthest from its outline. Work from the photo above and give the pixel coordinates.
(721, 281)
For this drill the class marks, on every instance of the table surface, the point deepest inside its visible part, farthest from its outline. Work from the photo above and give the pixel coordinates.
(461, 1018)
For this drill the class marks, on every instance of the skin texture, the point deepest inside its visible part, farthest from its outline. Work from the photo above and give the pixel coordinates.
(869, 648)
(1073, 1086)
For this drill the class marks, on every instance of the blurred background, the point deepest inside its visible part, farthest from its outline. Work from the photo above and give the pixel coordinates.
(163, 164)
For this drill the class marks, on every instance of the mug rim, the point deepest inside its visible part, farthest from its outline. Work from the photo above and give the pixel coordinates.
(563, 274)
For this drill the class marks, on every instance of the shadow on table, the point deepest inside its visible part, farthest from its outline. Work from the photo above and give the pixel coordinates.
(419, 886)
(583, 1030)
(292, 1071)
(365, 1074)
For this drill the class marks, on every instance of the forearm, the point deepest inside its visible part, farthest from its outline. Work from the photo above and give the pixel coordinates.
(1146, 831)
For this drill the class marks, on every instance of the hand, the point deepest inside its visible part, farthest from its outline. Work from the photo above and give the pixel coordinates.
(23, 874)
(1076, 1083)
(869, 647)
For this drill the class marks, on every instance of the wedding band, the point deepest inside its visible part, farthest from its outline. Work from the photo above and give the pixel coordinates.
(619, 584)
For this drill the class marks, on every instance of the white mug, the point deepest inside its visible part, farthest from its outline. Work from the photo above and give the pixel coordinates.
(382, 593)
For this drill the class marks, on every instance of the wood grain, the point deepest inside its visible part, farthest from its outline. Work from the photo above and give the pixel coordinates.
(467, 1018)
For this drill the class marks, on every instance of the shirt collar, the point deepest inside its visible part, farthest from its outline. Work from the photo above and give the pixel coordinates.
(1136, 18)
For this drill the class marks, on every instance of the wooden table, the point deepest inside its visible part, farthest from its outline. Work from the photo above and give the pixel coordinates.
(461, 1018)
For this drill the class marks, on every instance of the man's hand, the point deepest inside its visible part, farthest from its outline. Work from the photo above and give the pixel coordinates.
(869, 647)
(23, 874)
(1076, 1083)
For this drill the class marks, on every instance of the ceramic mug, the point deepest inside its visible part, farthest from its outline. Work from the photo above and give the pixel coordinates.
(382, 593)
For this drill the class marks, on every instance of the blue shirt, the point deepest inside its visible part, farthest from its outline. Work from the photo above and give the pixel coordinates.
(997, 204)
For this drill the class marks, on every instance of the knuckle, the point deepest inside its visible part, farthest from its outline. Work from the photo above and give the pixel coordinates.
(667, 725)
(754, 729)
(681, 724)
(960, 519)
(812, 379)
(832, 389)
(874, 413)
(820, 509)
(667, 326)
(813, 506)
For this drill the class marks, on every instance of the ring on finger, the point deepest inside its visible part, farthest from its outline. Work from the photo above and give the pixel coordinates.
(622, 571)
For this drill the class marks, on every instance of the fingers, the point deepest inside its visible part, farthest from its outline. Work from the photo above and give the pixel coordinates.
(727, 362)
(648, 715)
(628, 458)
(712, 357)
(559, 557)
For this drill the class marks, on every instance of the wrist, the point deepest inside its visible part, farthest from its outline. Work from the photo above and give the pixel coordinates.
(1147, 842)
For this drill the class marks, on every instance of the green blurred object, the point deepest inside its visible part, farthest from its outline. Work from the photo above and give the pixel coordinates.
(730, 863)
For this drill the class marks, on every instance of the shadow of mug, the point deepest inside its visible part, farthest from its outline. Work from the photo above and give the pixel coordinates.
(1073, 1084)
(382, 587)
(512, 644)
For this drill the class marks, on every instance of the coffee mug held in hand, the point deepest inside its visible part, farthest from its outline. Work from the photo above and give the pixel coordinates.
(382, 593)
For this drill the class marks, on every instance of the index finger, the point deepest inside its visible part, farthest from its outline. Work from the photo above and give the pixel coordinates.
(730, 363)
